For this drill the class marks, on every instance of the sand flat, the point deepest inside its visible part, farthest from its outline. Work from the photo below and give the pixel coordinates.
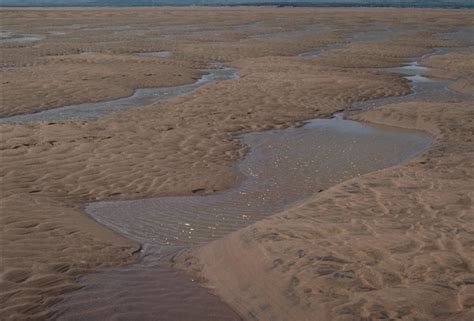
(371, 247)
(397, 242)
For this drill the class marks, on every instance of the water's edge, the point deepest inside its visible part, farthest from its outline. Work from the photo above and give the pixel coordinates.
(140, 97)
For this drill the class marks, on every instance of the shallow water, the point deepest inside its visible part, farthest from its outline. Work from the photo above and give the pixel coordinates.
(423, 88)
(411, 68)
(282, 167)
(88, 53)
(57, 33)
(141, 97)
(75, 26)
(8, 37)
(144, 292)
(161, 54)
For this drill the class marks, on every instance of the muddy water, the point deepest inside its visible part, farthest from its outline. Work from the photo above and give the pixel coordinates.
(141, 97)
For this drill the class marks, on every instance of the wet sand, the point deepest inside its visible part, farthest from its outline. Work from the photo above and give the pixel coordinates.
(145, 290)
(390, 257)
(281, 168)
(148, 152)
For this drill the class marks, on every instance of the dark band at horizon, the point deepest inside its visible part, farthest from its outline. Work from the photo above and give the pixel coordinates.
(447, 4)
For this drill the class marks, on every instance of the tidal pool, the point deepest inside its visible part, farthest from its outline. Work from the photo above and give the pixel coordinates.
(140, 97)
(281, 168)
(9, 37)
(161, 54)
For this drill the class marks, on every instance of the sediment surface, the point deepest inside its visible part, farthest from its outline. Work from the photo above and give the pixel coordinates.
(391, 244)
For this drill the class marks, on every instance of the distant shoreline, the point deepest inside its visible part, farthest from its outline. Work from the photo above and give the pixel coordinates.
(211, 3)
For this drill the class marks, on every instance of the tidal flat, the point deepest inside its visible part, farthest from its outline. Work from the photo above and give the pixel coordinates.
(377, 223)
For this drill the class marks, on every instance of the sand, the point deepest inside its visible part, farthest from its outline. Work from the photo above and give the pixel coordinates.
(458, 66)
(395, 243)
(392, 244)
